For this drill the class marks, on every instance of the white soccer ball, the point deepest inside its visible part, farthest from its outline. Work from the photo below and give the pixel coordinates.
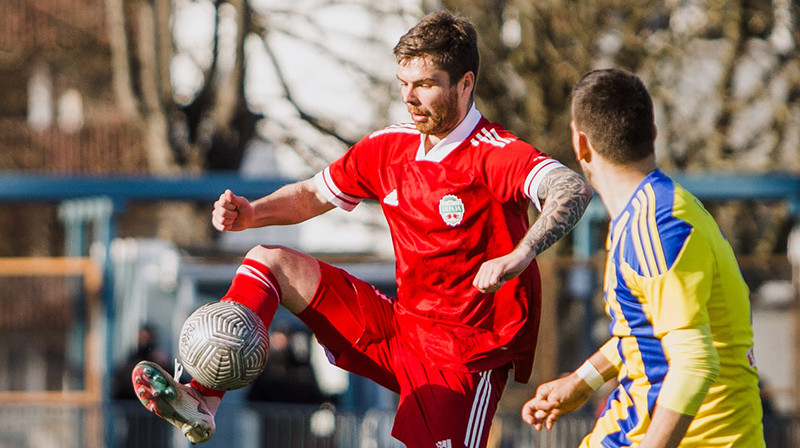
(224, 345)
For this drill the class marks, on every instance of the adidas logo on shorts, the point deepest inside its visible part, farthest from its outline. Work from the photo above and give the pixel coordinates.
(444, 444)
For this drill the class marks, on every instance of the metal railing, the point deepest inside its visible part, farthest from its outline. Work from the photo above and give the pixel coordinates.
(281, 426)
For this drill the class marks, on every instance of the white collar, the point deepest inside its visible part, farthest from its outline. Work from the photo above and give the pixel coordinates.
(452, 140)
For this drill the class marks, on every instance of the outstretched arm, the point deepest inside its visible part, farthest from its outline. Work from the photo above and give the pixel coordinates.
(562, 396)
(289, 204)
(565, 195)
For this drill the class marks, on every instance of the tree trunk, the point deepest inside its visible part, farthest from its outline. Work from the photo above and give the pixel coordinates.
(121, 69)
(159, 152)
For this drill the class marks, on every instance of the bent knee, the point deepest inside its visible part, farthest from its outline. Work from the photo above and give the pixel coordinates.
(271, 256)
(297, 273)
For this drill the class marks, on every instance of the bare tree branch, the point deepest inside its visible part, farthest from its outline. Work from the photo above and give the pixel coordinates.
(320, 125)
(318, 45)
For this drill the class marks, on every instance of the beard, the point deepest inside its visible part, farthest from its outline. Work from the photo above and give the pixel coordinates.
(443, 116)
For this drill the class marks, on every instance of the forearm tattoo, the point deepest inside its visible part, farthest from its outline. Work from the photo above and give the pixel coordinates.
(565, 195)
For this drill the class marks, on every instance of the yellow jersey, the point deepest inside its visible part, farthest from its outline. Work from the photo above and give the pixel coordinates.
(681, 331)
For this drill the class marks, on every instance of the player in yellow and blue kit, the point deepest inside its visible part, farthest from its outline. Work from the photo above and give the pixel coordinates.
(681, 341)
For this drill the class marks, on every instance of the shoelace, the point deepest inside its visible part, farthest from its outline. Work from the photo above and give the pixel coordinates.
(178, 371)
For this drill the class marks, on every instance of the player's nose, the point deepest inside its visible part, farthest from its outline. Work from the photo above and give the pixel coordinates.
(409, 96)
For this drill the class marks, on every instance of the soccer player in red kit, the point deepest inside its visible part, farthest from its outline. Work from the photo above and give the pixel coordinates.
(455, 190)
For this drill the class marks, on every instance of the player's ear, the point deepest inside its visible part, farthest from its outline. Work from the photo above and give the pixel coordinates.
(580, 144)
(467, 82)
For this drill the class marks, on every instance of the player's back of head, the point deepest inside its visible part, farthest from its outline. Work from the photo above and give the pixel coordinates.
(614, 109)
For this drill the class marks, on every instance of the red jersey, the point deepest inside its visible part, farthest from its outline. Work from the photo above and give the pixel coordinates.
(450, 210)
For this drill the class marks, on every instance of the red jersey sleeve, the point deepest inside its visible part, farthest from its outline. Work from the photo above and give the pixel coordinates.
(346, 181)
(515, 171)
(357, 174)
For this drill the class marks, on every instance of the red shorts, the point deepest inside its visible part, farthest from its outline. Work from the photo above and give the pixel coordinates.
(437, 408)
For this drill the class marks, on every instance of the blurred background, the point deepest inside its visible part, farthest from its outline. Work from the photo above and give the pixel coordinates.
(121, 121)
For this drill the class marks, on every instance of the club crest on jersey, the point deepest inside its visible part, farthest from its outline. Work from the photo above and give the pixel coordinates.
(452, 210)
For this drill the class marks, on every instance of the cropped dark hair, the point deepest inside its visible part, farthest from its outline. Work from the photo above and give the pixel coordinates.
(450, 41)
(615, 111)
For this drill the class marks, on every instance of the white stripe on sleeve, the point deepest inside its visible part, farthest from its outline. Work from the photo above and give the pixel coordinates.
(535, 178)
(332, 193)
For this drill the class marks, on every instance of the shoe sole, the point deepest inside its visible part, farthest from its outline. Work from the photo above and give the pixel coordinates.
(157, 390)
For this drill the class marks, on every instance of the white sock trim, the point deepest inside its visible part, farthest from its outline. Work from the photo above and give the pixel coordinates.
(258, 275)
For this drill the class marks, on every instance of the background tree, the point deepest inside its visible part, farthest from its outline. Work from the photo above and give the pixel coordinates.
(298, 82)
(190, 69)
(713, 68)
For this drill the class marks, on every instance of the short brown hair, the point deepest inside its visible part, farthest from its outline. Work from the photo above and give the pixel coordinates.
(450, 41)
(615, 111)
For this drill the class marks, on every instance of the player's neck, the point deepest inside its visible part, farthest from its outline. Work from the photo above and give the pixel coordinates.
(615, 184)
(431, 141)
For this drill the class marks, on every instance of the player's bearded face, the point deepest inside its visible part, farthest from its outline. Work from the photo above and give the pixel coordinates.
(431, 98)
(442, 114)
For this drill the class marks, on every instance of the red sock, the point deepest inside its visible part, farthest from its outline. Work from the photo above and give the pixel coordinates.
(206, 391)
(255, 287)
